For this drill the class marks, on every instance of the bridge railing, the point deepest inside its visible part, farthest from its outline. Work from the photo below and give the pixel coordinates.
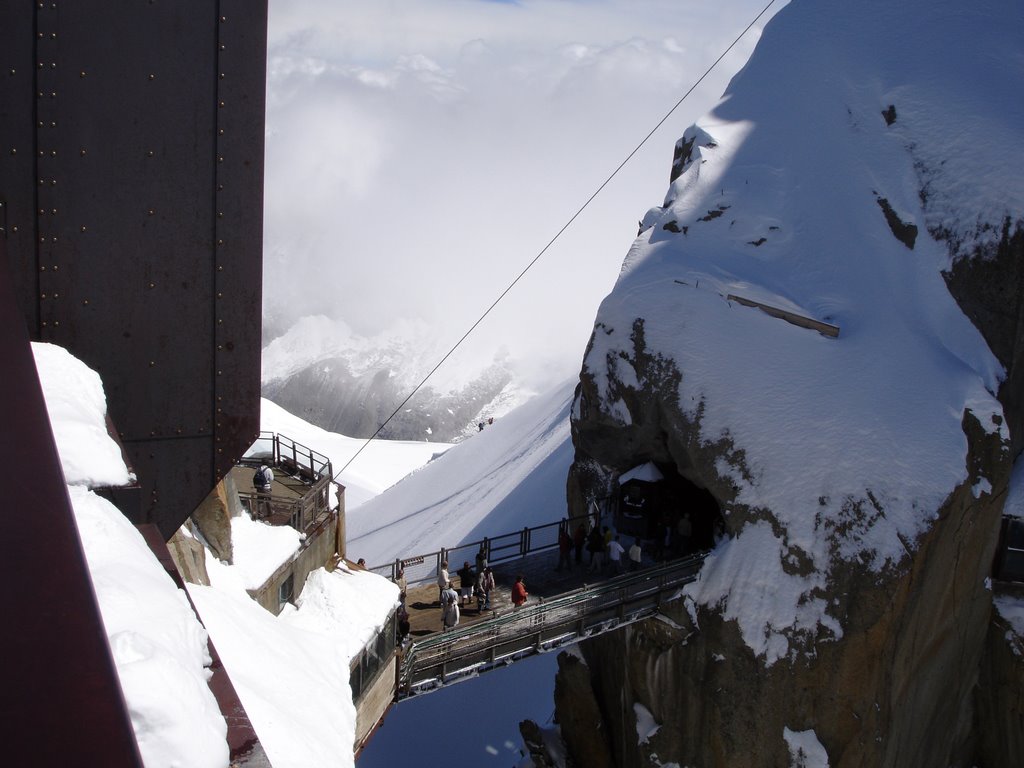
(498, 549)
(548, 624)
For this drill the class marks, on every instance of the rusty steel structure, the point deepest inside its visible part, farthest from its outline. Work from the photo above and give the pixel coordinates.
(131, 210)
(131, 205)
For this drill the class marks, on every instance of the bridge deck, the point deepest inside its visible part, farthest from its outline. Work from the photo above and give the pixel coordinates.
(479, 643)
(540, 575)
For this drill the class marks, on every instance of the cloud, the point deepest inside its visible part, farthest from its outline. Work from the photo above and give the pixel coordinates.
(420, 154)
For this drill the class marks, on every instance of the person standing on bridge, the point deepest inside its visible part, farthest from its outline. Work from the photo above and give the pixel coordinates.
(484, 585)
(519, 593)
(466, 581)
(615, 552)
(636, 556)
(579, 537)
(564, 547)
(449, 608)
(595, 546)
(442, 581)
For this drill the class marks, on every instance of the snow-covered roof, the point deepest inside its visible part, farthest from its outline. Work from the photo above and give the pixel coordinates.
(644, 473)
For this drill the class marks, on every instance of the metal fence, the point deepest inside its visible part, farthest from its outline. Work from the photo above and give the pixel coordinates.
(453, 656)
(314, 506)
(424, 568)
(280, 451)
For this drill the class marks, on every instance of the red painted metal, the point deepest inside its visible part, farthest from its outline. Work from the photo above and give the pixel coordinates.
(60, 702)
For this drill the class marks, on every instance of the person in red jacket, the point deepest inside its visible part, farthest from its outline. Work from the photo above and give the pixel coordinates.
(519, 593)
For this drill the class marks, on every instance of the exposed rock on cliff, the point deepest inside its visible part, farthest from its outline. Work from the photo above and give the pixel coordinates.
(851, 484)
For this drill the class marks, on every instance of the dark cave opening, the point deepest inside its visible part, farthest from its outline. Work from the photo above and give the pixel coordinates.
(672, 513)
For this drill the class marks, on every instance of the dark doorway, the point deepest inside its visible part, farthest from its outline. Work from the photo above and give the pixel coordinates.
(673, 514)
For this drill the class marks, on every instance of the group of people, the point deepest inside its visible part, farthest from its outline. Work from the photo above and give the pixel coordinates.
(607, 552)
(475, 583)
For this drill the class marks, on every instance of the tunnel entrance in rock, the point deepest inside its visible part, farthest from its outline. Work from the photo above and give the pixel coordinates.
(669, 511)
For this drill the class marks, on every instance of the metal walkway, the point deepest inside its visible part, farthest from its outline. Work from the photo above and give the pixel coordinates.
(449, 657)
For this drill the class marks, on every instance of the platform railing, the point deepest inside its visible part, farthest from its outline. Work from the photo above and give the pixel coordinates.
(283, 453)
(452, 656)
(424, 568)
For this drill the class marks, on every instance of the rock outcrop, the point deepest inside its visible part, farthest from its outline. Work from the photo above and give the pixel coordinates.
(855, 483)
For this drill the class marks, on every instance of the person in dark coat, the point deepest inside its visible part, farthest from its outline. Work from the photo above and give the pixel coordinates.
(579, 537)
(467, 580)
(564, 548)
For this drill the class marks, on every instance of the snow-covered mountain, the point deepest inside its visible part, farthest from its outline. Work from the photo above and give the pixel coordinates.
(820, 327)
(332, 377)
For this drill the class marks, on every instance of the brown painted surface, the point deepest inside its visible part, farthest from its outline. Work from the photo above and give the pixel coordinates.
(61, 702)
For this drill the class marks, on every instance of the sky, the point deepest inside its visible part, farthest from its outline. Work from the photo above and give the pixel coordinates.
(421, 154)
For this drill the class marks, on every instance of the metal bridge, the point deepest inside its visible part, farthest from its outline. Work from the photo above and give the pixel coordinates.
(451, 656)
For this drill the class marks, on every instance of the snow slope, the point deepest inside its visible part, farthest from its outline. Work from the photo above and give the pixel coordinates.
(511, 474)
(780, 203)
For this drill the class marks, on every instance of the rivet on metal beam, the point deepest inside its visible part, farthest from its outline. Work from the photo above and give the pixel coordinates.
(82, 73)
(81, 153)
(53, 211)
(150, 212)
(82, 229)
(56, 323)
(14, 228)
(55, 267)
(13, 72)
(41, 153)
(53, 239)
(152, 363)
(221, 76)
(42, 211)
(53, 153)
(220, 242)
(220, 320)
(40, 123)
(56, 296)
(42, 268)
(222, 46)
(149, 153)
(223, 19)
(43, 323)
(53, 94)
(42, 296)
(220, 295)
(53, 182)
(53, 35)
(85, 302)
(220, 131)
(220, 214)
(152, 76)
(220, 187)
(220, 267)
(42, 239)
(221, 104)
(152, 285)
(220, 158)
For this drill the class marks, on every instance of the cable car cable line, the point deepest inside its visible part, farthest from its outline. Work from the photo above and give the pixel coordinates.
(557, 235)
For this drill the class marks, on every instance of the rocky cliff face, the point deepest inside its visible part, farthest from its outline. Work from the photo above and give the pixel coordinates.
(858, 480)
